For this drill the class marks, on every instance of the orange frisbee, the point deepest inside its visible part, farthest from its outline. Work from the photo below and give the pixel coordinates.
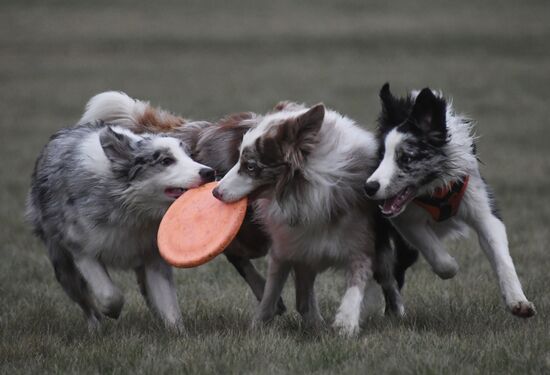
(197, 227)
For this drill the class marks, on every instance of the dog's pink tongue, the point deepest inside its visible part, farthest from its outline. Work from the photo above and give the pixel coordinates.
(391, 205)
(395, 204)
(174, 192)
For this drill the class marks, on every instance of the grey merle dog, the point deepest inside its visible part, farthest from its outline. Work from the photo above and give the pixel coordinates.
(97, 195)
(429, 182)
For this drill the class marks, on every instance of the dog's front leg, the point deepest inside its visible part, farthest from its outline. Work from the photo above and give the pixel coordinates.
(108, 298)
(161, 293)
(493, 240)
(306, 303)
(359, 272)
(423, 238)
(277, 273)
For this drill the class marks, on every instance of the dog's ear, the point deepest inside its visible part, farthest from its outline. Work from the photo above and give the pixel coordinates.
(429, 116)
(386, 97)
(393, 110)
(307, 127)
(299, 135)
(117, 147)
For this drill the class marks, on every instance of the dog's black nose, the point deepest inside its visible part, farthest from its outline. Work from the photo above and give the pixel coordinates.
(207, 174)
(216, 193)
(371, 188)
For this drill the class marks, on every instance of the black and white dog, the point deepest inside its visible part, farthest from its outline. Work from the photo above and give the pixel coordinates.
(431, 187)
(98, 194)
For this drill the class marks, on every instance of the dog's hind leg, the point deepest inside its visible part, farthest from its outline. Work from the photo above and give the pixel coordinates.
(74, 284)
(157, 286)
(306, 303)
(277, 273)
(108, 298)
(390, 266)
(385, 277)
(250, 274)
(405, 257)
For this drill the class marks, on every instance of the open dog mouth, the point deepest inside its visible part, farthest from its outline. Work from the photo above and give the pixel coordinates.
(395, 205)
(174, 192)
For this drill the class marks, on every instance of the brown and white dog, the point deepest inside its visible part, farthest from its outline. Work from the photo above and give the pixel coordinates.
(305, 167)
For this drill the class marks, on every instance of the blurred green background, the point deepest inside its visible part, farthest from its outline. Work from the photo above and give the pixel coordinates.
(204, 59)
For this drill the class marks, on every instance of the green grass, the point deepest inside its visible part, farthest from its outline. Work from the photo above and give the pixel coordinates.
(204, 59)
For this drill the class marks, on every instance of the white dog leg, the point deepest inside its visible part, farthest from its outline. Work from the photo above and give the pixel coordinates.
(107, 296)
(161, 293)
(306, 303)
(348, 315)
(277, 273)
(424, 239)
(493, 240)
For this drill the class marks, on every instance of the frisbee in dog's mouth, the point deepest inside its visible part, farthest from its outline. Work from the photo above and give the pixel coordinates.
(395, 205)
(174, 192)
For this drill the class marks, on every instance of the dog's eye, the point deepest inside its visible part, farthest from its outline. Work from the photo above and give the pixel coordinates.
(167, 161)
(404, 158)
(251, 167)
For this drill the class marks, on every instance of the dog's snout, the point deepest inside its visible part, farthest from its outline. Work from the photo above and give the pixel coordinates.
(216, 193)
(207, 174)
(371, 188)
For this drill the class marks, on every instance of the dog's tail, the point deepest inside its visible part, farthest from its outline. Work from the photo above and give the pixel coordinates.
(117, 108)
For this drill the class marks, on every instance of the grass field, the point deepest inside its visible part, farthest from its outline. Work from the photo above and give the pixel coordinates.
(204, 59)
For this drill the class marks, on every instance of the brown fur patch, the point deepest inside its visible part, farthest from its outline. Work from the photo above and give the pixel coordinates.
(235, 120)
(287, 105)
(218, 146)
(154, 120)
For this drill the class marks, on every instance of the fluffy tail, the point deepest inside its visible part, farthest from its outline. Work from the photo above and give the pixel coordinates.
(117, 108)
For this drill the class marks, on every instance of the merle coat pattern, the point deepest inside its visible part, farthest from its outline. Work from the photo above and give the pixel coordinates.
(425, 145)
(97, 196)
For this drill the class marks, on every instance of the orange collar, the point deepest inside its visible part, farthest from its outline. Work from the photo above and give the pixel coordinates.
(444, 202)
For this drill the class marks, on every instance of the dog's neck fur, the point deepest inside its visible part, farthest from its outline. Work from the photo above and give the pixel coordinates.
(459, 149)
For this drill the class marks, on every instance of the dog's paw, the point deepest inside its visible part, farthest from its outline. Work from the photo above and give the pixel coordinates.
(94, 325)
(111, 304)
(523, 309)
(397, 311)
(447, 268)
(281, 308)
(256, 324)
(313, 323)
(345, 326)
(175, 327)
(346, 330)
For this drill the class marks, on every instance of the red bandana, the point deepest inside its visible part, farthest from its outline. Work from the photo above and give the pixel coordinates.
(444, 202)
